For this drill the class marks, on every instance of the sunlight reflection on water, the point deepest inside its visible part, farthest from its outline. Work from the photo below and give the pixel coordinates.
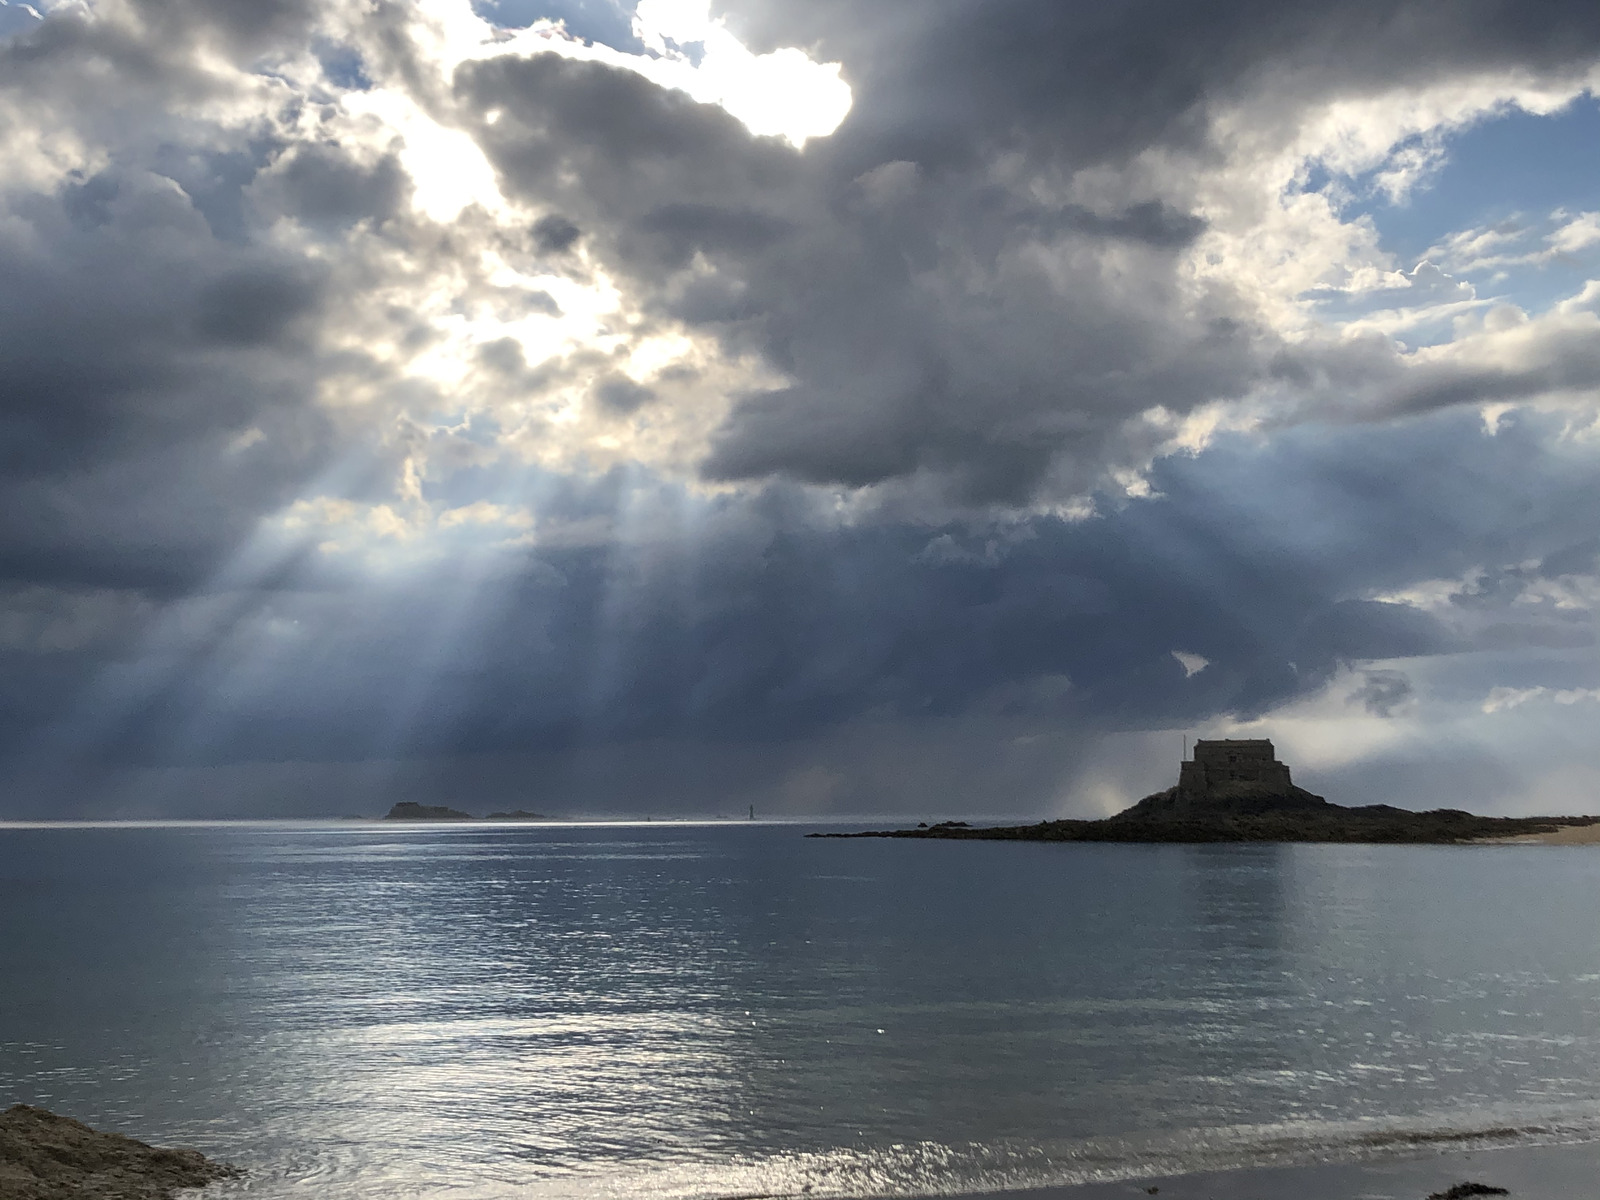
(365, 1011)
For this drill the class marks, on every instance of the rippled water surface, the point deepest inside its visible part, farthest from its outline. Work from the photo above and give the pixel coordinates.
(368, 1011)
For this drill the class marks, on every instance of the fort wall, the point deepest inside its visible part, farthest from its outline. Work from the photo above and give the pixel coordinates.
(1232, 765)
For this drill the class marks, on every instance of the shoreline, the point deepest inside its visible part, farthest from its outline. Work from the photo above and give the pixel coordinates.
(1552, 1171)
(46, 1156)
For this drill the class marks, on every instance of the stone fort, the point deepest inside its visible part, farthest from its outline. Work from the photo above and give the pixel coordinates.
(1233, 766)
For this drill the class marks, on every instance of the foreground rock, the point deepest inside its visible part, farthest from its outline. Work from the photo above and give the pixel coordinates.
(1237, 791)
(46, 1157)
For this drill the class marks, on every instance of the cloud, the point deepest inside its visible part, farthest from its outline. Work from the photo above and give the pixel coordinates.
(1502, 698)
(1516, 243)
(757, 373)
(1382, 692)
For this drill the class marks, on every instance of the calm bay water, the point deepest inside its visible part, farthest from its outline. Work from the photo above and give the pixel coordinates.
(363, 1011)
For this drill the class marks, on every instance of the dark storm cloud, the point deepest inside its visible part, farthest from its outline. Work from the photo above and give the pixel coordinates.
(1151, 222)
(1091, 82)
(115, 69)
(897, 271)
(618, 146)
(775, 627)
(837, 277)
(555, 234)
(160, 352)
(135, 349)
(1566, 359)
(324, 187)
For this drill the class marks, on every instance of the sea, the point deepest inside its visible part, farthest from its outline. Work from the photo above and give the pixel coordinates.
(355, 1010)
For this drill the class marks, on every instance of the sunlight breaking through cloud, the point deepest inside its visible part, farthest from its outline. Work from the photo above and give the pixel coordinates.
(934, 364)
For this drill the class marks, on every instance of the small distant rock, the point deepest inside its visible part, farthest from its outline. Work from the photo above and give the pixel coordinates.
(410, 810)
(47, 1157)
(519, 815)
(1463, 1190)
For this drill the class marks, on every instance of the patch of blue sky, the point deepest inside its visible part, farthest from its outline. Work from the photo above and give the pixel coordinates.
(1535, 287)
(1487, 220)
(608, 22)
(17, 17)
(341, 64)
(1509, 168)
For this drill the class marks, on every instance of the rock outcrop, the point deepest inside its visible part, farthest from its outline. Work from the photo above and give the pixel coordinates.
(47, 1157)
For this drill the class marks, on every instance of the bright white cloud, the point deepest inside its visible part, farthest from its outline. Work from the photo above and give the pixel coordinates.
(781, 94)
(1579, 233)
(1501, 699)
(1285, 246)
(1518, 243)
(448, 171)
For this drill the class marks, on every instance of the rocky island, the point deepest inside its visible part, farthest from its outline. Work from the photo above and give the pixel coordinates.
(410, 810)
(520, 815)
(1236, 790)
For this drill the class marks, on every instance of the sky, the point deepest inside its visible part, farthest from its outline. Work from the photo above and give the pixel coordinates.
(931, 407)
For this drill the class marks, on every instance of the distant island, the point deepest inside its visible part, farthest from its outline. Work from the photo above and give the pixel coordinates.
(520, 815)
(410, 810)
(1236, 790)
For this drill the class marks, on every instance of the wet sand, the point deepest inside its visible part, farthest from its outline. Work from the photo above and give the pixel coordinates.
(1571, 835)
(1527, 1172)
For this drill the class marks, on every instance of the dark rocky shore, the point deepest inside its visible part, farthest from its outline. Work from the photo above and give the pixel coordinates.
(1377, 823)
(47, 1157)
(1237, 791)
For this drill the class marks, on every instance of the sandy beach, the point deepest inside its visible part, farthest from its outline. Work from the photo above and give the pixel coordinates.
(1571, 835)
(1557, 1172)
